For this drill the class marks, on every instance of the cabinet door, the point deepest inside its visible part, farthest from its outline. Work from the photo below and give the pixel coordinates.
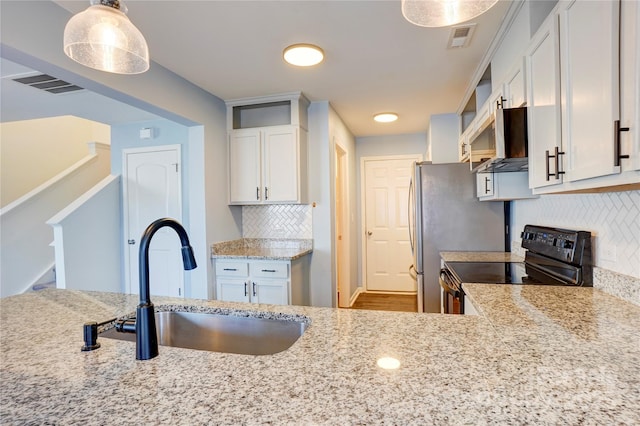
(232, 289)
(630, 85)
(543, 94)
(589, 63)
(515, 91)
(270, 291)
(281, 177)
(484, 184)
(244, 166)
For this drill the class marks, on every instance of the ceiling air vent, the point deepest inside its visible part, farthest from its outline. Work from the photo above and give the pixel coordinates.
(460, 36)
(47, 83)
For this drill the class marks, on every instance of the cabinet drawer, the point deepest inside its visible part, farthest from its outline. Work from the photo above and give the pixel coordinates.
(232, 269)
(269, 269)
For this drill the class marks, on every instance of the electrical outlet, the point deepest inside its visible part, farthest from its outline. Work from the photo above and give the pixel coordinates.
(609, 253)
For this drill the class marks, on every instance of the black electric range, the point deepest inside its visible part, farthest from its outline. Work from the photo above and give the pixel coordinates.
(554, 257)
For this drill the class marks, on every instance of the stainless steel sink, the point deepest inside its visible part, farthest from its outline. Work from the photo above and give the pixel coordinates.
(221, 333)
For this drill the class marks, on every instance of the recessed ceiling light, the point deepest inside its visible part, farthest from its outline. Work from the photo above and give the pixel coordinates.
(303, 55)
(385, 117)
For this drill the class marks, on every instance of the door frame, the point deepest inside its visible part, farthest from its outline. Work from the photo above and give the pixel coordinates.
(342, 258)
(125, 205)
(363, 209)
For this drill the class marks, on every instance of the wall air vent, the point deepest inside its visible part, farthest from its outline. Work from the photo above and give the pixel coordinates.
(460, 36)
(47, 83)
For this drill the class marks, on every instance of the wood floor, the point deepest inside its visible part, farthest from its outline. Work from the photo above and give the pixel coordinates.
(386, 302)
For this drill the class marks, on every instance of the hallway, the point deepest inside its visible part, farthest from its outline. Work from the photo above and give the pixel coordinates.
(386, 302)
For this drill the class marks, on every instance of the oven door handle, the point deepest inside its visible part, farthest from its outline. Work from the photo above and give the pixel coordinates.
(445, 283)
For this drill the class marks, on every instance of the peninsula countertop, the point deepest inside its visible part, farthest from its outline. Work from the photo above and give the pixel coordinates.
(262, 249)
(534, 355)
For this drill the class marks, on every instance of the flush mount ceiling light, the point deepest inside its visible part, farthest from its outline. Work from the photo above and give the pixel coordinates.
(441, 13)
(103, 38)
(303, 55)
(385, 117)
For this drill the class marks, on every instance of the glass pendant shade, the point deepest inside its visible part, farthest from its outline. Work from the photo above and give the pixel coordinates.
(103, 38)
(442, 13)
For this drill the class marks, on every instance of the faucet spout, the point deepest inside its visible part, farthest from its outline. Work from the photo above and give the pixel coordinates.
(146, 336)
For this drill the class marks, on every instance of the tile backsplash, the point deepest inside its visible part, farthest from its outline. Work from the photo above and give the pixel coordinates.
(277, 221)
(612, 217)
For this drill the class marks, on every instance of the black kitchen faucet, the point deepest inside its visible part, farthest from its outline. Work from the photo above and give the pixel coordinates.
(146, 336)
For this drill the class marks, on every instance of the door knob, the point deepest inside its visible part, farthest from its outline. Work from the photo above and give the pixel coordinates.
(369, 233)
(132, 242)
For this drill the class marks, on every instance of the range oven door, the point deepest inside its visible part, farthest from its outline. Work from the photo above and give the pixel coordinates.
(452, 295)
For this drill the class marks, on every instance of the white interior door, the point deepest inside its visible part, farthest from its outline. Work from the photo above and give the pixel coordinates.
(388, 251)
(152, 191)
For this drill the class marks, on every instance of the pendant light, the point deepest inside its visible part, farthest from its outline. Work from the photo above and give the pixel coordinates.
(103, 38)
(442, 13)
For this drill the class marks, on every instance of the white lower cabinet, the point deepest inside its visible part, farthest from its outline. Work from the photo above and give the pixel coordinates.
(272, 282)
(503, 186)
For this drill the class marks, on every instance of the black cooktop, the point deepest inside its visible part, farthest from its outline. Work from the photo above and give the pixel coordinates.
(507, 273)
(491, 272)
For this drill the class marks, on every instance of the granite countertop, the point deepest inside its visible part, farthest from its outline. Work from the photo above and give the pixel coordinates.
(534, 355)
(262, 248)
(480, 256)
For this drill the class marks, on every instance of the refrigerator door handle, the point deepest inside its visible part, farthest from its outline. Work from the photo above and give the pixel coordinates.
(410, 215)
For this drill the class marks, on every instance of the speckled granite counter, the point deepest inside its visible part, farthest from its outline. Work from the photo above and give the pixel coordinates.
(537, 355)
(480, 256)
(262, 248)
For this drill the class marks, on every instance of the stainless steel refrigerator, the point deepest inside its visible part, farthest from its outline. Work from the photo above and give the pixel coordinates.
(446, 215)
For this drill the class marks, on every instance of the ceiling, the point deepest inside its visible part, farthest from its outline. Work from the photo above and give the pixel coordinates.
(375, 60)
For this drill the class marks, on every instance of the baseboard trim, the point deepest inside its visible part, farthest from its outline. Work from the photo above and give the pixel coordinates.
(400, 293)
(354, 296)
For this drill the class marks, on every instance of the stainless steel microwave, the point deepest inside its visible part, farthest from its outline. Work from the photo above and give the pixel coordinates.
(502, 141)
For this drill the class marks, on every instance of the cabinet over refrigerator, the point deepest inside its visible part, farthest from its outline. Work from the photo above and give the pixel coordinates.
(445, 215)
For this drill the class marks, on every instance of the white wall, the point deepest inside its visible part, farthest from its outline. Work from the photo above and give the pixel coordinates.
(443, 134)
(25, 254)
(44, 147)
(30, 35)
(322, 280)
(87, 240)
(340, 135)
(325, 129)
(512, 47)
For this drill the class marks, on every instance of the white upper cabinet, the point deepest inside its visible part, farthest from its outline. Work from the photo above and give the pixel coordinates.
(543, 95)
(268, 150)
(629, 142)
(514, 87)
(589, 64)
(266, 165)
(574, 64)
(245, 166)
